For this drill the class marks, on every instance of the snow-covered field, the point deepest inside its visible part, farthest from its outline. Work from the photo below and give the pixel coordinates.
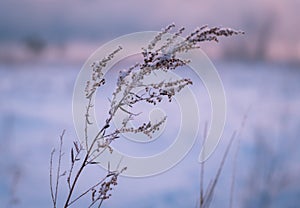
(36, 105)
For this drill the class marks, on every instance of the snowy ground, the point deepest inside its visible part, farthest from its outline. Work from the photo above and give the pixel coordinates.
(36, 105)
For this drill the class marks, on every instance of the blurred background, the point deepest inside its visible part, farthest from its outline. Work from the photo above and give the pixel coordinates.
(43, 45)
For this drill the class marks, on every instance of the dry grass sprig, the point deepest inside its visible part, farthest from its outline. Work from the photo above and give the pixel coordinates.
(206, 199)
(233, 179)
(202, 169)
(54, 187)
(130, 90)
(211, 188)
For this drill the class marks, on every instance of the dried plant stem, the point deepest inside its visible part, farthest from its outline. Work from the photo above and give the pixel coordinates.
(124, 98)
(201, 188)
(235, 159)
(202, 169)
(51, 180)
(54, 190)
(233, 175)
(83, 165)
(211, 189)
(74, 159)
(75, 181)
(89, 149)
(87, 191)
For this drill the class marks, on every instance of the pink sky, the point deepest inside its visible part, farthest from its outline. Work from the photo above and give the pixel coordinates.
(72, 30)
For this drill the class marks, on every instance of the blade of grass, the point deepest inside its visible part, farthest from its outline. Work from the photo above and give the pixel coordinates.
(210, 191)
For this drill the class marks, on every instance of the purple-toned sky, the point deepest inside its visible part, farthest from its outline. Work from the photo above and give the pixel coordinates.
(74, 29)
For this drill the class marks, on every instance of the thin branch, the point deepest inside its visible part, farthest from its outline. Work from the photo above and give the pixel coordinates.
(78, 151)
(202, 168)
(233, 175)
(87, 121)
(235, 158)
(54, 190)
(59, 164)
(88, 190)
(98, 154)
(51, 179)
(84, 163)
